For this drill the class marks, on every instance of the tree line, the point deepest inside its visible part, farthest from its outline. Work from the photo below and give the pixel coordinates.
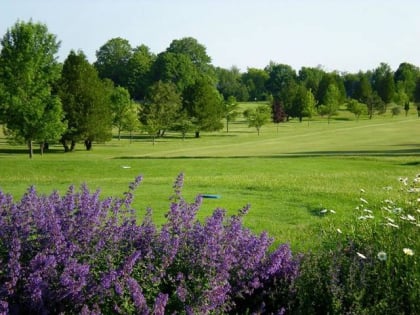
(128, 88)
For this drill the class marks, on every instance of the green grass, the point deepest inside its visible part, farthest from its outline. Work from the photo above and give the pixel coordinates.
(288, 173)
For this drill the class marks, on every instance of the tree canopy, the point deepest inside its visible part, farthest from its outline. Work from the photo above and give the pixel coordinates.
(28, 71)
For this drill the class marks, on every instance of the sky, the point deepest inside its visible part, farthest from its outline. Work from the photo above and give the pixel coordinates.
(342, 35)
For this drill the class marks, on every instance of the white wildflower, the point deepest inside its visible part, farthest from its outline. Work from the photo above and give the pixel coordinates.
(404, 180)
(390, 220)
(369, 216)
(363, 200)
(362, 217)
(332, 211)
(413, 190)
(408, 251)
(323, 211)
(368, 210)
(397, 210)
(362, 190)
(392, 225)
(361, 255)
(382, 256)
(339, 231)
(410, 217)
(388, 201)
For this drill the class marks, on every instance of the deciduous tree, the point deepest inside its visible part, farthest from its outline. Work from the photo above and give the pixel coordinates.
(162, 106)
(258, 117)
(28, 70)
(120, 105)
(112, 61)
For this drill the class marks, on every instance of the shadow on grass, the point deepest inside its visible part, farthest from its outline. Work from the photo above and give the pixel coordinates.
(366, 153)
(24, 151)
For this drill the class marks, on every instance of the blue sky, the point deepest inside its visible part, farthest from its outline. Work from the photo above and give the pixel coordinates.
(339, 35)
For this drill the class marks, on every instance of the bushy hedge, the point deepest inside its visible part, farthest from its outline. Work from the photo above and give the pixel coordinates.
(82, 254)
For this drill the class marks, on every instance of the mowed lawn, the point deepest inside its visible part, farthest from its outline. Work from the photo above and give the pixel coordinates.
(288, 174)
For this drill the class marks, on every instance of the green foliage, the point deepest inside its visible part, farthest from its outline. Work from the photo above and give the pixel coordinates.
(130, 120)
(405, 76)
(230, 110)
(204, 105)
(229, 84)
(86, 102)
(383, 82)
(396, 110)
(369, 265)
(282, 85)
(120, 106)
(356, 108)
(258, 117)
(175, 68)
(28, 70)
(194, 51)
(331, 102)
(255, 81)
(140, 65)
(162, 107)
(112, 60)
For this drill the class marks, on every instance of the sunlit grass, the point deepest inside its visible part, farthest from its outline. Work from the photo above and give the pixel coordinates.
(287, 174)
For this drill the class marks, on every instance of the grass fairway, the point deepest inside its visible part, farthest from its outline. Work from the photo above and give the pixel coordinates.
(288, 173)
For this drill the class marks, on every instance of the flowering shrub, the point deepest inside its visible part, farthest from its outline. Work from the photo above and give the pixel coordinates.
(370, 266)
(79, 253)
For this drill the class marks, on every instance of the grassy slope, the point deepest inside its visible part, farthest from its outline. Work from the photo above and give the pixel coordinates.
(287, 173)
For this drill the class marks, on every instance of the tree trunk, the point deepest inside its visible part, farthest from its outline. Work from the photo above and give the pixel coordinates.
(73, 145)
(65, 145)
(88, 144)
(31, 150)
(41, 148)
(119, 134)
(197, 134)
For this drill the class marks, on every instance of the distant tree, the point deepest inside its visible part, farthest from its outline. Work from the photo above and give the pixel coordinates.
(230, 110)
(139, 77)
(311, 78)
(120, 105)
(375, 104)
(175, 68)
(332, 78)
(204, 106)
(130, 121)
(363, 90)
(383, 82)
(282, 84)
(229, 84)
(183, 124)
(331, 102)
(86, 102)
(196, 53)
(255, 82)
(112, 61)
(299, 102)
(28, 70)
(258, 117)
(400, 95)
(356, 108)
(279, 115)
(396, 110)
(161, 108)
(406, 76)
(309, 108)
(406, 108)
